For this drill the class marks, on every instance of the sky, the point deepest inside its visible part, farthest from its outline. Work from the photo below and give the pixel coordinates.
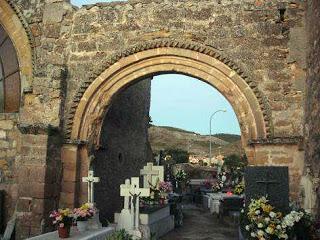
(185, 102)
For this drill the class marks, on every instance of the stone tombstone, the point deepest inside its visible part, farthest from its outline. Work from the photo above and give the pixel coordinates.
(272, 182)
(152, 174)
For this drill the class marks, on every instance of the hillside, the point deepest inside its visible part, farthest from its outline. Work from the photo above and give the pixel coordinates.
(170, 137)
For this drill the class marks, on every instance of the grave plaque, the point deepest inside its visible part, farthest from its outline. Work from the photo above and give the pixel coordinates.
(272, 182)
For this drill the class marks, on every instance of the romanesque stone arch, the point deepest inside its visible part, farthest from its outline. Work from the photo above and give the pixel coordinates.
(202, 62)
(91, 102)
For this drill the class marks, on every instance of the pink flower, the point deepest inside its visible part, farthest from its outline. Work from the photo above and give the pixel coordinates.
(61, 225)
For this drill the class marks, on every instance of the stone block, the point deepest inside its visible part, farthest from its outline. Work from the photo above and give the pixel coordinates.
(24, 204)
(53, 13)
(6, 124)
(4, 144)
(3, 134)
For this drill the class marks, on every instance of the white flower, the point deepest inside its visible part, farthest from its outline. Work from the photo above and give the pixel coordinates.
(272, 214)
(242, 211)
(247, 227)
(267, 219)
(257, 212)
(260, 225)
(260, 233)
(278, 227)
(253, 234)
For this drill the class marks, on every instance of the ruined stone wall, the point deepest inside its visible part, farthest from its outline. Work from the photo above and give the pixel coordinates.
(265, 38)
(312, 107)
(10, 144)
(70, 46)
(30, 139)
(124, 146)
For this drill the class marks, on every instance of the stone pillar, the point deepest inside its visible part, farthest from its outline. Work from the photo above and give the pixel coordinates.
(75, 166)
(70, 180)
(38, 178)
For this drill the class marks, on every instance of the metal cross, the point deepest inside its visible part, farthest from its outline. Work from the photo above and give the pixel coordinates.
(267, 182)
(91, 180)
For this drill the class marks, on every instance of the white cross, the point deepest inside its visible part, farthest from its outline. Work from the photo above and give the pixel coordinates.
(136, 192)
(90, 179)
(151, 174)
(125, 192)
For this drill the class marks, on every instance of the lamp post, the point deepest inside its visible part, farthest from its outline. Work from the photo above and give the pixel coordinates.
(210, 154)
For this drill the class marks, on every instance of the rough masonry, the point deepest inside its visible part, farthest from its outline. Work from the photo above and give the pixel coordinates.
(63, 49)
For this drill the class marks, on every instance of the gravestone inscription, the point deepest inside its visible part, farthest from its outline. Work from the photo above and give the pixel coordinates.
(272, 182)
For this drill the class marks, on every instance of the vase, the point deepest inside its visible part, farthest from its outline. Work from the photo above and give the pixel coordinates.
(64, 232)
(82, 226)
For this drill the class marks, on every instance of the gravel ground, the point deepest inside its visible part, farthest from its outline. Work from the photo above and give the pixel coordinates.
(199, 224)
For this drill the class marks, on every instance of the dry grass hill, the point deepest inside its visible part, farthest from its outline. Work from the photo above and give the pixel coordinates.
(195, 143)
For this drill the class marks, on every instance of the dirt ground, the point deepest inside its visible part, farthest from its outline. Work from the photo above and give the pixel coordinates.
(199, 224)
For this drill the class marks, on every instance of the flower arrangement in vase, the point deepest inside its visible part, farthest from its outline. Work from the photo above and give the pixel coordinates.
(63, 218)
(83, 214)
(165, 188)
(239, 188)
(263, 222)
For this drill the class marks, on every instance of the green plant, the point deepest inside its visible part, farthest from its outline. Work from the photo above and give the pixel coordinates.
(120, 235)
(178, 155)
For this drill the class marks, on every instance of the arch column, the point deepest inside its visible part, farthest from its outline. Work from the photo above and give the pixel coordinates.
(74, 157)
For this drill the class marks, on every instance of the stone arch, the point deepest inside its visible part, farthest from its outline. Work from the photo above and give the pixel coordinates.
(15, 26)
(91, 102)
(199, 61)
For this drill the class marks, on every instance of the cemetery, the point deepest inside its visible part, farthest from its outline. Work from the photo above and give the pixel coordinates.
(154, 207)
(76, 160)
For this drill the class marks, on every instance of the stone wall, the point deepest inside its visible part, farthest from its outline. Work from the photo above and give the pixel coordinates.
(124, 146)
(70, 46)
(265, 38)
(29, 149)
(312, 107)
(10, 145)
(312, 103)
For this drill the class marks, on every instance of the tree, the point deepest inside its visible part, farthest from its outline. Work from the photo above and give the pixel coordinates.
(178, 155)
(233, 161)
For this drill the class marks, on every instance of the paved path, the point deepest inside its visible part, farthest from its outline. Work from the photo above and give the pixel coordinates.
(201, 225)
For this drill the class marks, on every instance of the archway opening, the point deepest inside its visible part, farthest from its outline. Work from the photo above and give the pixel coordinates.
(94, 99)
(131, 136)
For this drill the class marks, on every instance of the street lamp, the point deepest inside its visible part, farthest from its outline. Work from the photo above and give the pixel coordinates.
(210, 154)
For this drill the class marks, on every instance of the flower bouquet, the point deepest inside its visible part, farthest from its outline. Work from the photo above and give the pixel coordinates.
(63, 218)
(83, 214)
(180, 177)
(217, 187)
(263, 222)
(165, 188)
(239, 189)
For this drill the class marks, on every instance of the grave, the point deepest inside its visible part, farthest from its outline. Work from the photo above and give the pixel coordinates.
(272, 182)
(152, 174)
(146, 222)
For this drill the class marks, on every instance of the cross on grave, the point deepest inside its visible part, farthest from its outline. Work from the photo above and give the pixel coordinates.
(267, 183)
(91, 180)
(272, 181)
(124, 192)
(129, 218)
(125, 217)
(151, 174)
(136, 192)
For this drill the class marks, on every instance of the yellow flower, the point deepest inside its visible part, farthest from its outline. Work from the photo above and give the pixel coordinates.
(267, 208)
